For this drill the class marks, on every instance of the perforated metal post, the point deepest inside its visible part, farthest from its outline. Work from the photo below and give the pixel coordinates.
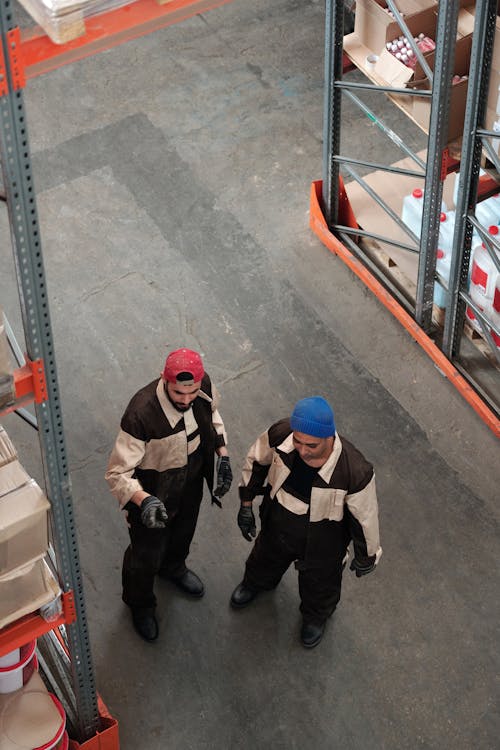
(334, 33)
(25, 236)
(436, 154)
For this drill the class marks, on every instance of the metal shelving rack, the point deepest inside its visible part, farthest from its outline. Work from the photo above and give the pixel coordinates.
(39, 378)
(329, 201)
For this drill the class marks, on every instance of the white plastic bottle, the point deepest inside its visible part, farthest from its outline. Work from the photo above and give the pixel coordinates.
(443, 255)
(413, 207)
(495, 314)
(483, 279)
(488, 211)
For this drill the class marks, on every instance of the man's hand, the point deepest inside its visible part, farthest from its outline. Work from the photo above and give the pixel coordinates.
(246, 522)
(362, 569)
(153, 513)
(224, 476)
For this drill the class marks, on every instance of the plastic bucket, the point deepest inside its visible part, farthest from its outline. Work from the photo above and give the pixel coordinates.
(63, 743)
(61, 740)
(34, 720)
(14, 676)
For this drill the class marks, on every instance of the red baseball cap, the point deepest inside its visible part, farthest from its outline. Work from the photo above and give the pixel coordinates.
(183, 360)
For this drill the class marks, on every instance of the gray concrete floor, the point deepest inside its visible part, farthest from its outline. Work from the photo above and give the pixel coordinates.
(173, 179)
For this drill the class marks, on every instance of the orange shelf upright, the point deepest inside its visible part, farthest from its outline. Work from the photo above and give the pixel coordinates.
(320, 228)
(106, 30)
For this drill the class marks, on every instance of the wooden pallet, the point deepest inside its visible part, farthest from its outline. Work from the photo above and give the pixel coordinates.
(66, 26)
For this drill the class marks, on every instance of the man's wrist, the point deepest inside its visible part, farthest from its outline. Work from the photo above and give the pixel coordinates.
(138, 497)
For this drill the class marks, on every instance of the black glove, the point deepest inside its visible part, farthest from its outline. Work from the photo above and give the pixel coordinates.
(362, 569)
(224, 476)
(246, 522)
(153, 513)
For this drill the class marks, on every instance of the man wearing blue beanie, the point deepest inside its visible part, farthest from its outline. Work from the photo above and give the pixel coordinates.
(318, 495)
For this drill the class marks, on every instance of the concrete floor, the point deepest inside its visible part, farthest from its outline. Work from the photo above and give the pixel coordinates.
(173, 179)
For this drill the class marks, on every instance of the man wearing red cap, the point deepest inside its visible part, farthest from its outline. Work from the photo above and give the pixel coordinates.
(319, 495)
(168, 438)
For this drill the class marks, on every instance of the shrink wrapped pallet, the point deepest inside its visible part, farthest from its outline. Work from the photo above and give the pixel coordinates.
(64, 20)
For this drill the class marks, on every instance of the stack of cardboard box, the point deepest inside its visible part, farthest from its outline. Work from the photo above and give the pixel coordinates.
(26, 581)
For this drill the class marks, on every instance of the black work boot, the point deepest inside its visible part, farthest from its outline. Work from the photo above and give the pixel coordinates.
(145, 624)
(190, 583)
(242, 596)
(311, 634)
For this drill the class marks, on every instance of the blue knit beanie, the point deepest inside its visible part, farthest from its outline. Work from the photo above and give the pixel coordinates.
(313, 416)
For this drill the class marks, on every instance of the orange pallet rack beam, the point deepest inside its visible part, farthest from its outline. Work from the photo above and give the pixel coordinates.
(107, 30)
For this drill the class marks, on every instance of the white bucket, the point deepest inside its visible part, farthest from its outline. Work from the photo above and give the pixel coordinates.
(8, 660)
(14, 676)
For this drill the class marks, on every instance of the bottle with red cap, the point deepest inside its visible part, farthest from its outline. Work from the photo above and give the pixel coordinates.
(413, 207)
(483, 281)
(443, 255)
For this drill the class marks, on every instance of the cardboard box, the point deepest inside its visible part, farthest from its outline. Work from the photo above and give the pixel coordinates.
(12, 476)
(23, 520)
(7, 451)
(374, 26)
(33, 586)
(458, 98)
(493, 102)
(419, 108)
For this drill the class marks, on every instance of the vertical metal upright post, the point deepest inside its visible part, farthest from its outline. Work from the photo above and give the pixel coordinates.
(436, 159)
(334, 38)
(477, 93)
(25, 236)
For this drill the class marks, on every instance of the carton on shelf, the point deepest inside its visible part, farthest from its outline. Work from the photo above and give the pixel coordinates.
(25, 590)
(7, 451)
(23, 519)
(373, 26)
(399, 75)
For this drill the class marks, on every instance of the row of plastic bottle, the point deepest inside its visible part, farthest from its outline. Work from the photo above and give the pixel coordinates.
(484, 278)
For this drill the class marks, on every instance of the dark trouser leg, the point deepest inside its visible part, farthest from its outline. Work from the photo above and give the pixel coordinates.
(182, 528)
(141, 563)
(319, 590)
(267, 562)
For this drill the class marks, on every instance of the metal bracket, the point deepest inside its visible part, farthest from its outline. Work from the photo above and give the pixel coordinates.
(16, 66)
(16, 63)
(4, 83)
(69, 610)
(445, 157)
(29, 380)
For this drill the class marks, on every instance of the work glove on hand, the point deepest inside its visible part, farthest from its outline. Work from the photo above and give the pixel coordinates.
(224, 476)
(246, 522)
(362, 569)
(153, 513)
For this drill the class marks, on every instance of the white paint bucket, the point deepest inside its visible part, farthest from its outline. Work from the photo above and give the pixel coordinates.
(14, 676)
